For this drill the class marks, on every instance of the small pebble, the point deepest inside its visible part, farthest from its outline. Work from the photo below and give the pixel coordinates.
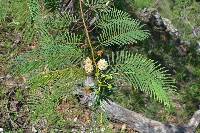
(123, 127)
(34, 130)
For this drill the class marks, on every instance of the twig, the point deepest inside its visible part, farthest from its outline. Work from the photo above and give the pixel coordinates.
(87, 33)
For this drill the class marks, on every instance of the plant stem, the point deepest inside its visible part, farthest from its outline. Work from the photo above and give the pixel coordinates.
(87, 33)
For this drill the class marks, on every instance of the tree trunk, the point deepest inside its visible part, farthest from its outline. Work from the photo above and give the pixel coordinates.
(145, 125)
(135, 120)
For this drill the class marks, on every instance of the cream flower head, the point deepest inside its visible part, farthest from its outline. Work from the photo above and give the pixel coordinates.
(102, 64)
(88, 61)
(88, 65)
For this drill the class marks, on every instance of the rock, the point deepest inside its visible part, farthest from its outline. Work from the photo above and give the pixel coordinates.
(14, 106)
(102, 129)
(153, 17)
(123, 127)
(170, 28)
(110, 126)
(1, 44)
(67, 6)
(158, 21)
(144, 15)
(198, 46)
(74, 130)
(187, 43)
(8, 76)
(42, 124)
(1, 78)
(75, 119)
(17, 39)
(196, 31)
(34, 130)
(10, 83)
(164, 25)
(89, 82)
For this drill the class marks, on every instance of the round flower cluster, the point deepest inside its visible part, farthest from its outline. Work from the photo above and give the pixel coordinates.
(102, 64)
(88, 65)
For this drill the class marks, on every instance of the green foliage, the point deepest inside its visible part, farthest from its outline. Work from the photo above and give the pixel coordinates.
(52, 5)
(54, 66)
(48, 90)
(191, 96)
(101, 121)
(3, 11)
(143, 74)
(67, 38)
(44, 79)
(119, 29)
(50, 57)
(33, 27)
(95, 2)
(110, 16)
(104, 87)
(142, 3)
(183, 15)
(164, 8)
(97, 5)
(183, 3)
(186, 14)
(15, 13)
(57, 22)
(34, 9)
(58, 27)
(48, 31)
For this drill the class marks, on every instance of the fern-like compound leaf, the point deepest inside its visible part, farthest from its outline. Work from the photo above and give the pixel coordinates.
(34, 9)
(59, 25)
(97, 4)
(51, 57)
(119, 29)
(52, 77)
(59, 22)
(68, 38)
(52, 5)
(111, 16)
(49, 89)
(144, 74)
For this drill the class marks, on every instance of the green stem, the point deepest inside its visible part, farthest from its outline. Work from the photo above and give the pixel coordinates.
(87, 33)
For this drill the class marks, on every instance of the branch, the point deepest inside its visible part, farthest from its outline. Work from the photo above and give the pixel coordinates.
(195, 120)
(87, 33)
(135, 120)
